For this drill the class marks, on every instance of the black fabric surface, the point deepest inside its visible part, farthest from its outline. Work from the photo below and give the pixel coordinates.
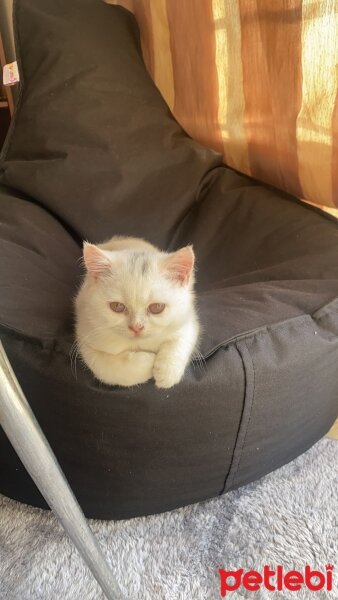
(93, 152)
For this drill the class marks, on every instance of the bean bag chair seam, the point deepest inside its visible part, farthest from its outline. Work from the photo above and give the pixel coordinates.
(323, 311)
(51, 344)
(250, 378)
(329, 308)
(317, 315)
(248, 401)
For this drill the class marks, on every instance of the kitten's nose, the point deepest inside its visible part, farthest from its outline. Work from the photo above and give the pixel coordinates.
(136, 328)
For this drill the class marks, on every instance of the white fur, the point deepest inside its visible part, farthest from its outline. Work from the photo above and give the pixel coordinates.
(135, 273)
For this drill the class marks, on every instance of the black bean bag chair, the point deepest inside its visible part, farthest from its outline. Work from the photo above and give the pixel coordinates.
(93, 151)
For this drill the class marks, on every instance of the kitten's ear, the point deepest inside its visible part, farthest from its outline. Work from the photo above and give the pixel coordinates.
(179, 265)
(96, 261)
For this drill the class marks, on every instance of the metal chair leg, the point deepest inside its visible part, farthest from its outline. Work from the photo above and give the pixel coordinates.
(28, 440)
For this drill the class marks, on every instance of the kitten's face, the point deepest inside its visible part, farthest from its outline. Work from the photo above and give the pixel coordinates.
(139, 294)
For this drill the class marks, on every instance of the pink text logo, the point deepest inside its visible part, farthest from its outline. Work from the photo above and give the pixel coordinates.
(276, 580)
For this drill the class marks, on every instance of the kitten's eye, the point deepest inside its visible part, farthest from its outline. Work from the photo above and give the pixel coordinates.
(118, 307)
(156, 308)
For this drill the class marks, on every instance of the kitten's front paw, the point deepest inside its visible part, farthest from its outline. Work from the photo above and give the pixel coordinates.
(141, 367)
(166, 375)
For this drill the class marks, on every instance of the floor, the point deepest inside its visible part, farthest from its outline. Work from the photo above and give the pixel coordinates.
(286, 518)
(333, 433)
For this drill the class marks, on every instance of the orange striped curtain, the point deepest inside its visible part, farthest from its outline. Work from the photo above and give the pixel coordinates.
(254, 79)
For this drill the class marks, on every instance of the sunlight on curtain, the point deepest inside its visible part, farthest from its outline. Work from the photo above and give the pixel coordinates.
(254, 79)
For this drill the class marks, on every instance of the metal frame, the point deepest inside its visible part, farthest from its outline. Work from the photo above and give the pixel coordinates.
(29, 442)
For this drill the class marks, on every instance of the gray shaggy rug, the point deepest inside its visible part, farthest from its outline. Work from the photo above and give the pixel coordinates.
(287, 518)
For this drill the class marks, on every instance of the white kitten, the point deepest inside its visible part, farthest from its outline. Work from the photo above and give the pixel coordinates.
(135, 314)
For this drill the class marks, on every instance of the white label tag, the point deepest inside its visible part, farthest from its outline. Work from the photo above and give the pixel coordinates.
(11, 74)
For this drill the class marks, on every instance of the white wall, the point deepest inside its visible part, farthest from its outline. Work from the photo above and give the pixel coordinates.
(6, 28)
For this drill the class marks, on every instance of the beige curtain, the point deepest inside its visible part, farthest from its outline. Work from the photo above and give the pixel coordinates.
(255, 79)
